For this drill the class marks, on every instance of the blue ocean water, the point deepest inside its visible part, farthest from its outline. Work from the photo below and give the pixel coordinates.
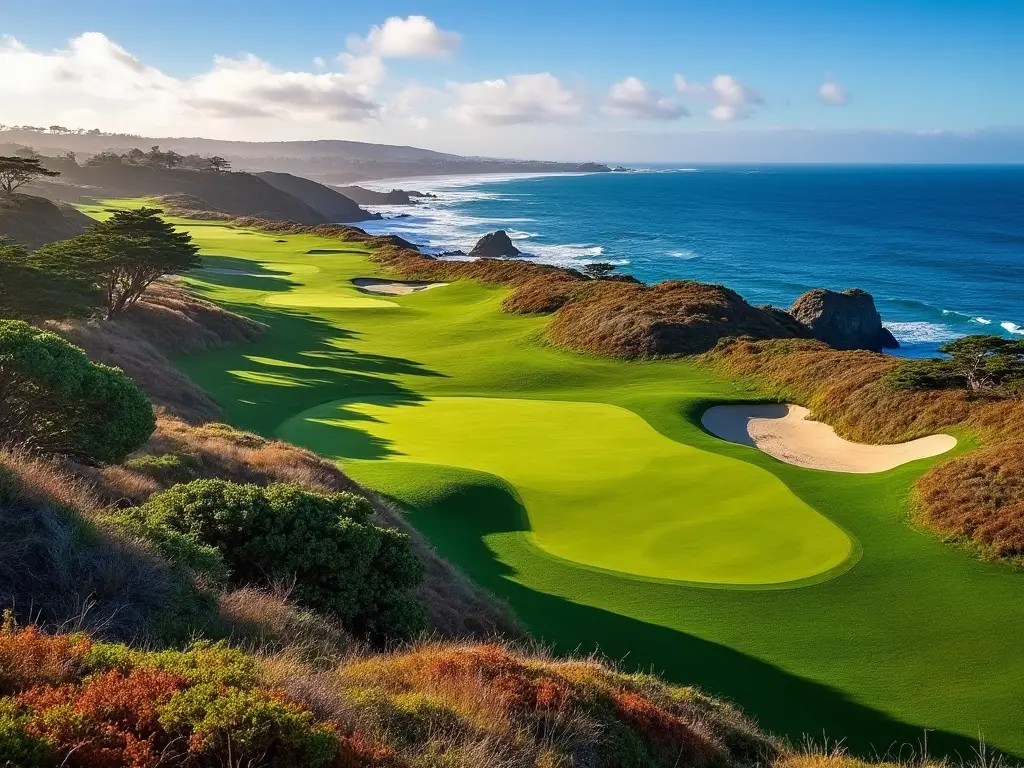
(940, 248)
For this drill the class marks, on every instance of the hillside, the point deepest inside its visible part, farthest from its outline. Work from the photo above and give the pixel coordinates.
(241, 194)
(329, 203)
(330, 161)
(34, 221)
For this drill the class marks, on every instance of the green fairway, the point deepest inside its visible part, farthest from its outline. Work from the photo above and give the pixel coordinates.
(600, 487)
(585, 492)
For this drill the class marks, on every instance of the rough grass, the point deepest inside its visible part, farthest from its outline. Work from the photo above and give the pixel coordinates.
(166, 321)
(59, 567)
(977, 498)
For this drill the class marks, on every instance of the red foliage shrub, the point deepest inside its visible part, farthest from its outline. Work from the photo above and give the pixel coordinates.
(662, 728)
(356, 751)
(111, 720)
(28, 657)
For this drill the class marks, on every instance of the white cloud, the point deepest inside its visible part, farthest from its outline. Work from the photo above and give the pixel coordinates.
(733, 100)
(95, 76)
(411, 37)
(689, 87)
(833, 93)
(536, 98)
(634, 99)
(249, 87)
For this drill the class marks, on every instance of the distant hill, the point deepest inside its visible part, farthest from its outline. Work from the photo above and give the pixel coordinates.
(34, 221)
(331, 161)
(330, 203)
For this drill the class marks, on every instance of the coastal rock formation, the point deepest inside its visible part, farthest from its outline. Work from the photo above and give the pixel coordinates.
(675, 317)
(495, 245)
(846, 320)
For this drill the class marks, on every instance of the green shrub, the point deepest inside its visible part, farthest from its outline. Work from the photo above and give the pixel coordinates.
(341, 563)
(55, 399)
(248, 725)
(202, 662)
(167, 469)
(17, 748)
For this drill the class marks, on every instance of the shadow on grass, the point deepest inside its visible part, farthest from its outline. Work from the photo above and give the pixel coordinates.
(304, 361)
(231, 272)
(458, 515)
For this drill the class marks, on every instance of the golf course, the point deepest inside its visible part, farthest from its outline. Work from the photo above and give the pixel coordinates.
(586, 493)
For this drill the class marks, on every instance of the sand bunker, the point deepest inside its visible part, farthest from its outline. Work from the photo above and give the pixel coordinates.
(393, 287)
(785, 432)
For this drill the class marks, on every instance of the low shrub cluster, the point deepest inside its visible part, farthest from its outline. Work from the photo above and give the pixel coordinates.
(70, 702)
(341, 563)
(977, 499)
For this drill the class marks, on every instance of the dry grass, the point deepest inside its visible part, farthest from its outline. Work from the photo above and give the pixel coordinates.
(978, 498)
(466, 704)
(167, 320)
(268, 622)
(60, 569)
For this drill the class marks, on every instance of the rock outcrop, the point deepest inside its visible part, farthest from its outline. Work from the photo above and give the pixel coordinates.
(496, 245)
(846, 320)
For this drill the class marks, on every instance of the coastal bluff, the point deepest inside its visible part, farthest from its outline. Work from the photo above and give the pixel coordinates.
(843, 320)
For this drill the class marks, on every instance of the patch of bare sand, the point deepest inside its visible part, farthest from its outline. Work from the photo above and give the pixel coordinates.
(393, 287)
(786, 433)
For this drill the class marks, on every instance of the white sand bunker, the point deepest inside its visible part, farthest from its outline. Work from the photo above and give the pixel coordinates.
(785, 432)
(393, 287)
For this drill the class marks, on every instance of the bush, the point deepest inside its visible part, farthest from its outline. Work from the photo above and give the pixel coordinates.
(250, 725)
(54, 399)
(340, 561)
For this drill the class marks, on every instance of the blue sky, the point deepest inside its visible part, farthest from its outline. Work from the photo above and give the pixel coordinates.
(916, 67)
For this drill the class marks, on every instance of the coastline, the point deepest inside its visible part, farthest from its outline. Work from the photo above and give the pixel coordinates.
(570, 220)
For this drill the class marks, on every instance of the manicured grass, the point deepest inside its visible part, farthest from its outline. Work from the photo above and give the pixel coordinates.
(600, 486)
(915, 635)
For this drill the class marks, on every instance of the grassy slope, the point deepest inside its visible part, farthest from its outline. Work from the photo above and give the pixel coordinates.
(916, 634)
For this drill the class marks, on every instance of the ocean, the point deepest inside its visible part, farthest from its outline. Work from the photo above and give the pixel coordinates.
(940, 248)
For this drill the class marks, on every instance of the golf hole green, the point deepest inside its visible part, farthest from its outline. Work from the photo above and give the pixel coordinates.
(600, 486)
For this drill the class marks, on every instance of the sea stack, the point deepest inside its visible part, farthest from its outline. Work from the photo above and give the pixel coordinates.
(846, 320)
(496, 245)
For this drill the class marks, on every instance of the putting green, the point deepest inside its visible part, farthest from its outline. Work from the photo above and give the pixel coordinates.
(601, 487)
(327, 301)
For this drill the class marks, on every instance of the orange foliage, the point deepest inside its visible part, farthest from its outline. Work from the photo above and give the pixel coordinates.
(28, 658)
(110, 721)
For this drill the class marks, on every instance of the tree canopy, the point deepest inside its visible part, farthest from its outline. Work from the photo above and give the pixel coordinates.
(17, 171)
(53, 399)
(124, 255)
(980, 364)
(30, 293)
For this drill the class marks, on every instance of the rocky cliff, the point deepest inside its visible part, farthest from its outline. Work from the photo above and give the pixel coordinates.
(846, 320)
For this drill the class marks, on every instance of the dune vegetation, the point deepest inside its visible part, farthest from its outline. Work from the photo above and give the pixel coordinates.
(850, 641)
